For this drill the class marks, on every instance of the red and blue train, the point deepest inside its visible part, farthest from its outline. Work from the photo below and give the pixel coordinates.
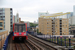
(20, 31)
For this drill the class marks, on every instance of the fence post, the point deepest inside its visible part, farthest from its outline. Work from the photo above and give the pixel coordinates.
(54, 39)
(50, 37)
(43, 36)
(65, 41)
(61, 41)
(69, 42)
(57, 40)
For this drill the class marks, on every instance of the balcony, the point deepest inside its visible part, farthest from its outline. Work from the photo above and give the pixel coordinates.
(60, 25)
(60, 33)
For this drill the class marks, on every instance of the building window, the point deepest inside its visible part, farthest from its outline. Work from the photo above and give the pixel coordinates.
(11, 13)
(11, 25)
(47, 31)
(1, 9)
(11, 16)
(11, 22)
(10, 8)
(63, 34)
(11, 19)
(56, 25)
(4, 26)
(0, 38)
(0, 28)
(1, 13)
(1, 17)
(0, 24)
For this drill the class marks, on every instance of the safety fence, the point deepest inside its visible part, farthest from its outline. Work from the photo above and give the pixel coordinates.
(59, 40)
(4, 37)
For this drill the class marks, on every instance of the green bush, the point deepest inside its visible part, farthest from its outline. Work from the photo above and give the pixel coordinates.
(33, 25)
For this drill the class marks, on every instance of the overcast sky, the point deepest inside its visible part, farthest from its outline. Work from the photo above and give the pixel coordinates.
(28, 9)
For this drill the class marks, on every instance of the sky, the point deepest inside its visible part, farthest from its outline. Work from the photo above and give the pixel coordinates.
(28, 9)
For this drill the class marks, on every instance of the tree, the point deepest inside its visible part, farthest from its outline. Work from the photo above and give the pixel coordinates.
(33, 25)
(39, 33)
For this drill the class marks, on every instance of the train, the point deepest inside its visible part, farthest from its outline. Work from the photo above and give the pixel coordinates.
(20, 31)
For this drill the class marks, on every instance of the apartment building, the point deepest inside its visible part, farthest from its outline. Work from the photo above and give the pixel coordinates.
(19, 20)
(54, 24)
(6, 14)
(1, 24)
(72, 29)
(16, 18)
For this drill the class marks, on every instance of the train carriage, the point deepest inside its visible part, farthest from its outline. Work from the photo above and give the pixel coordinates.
(20, 31)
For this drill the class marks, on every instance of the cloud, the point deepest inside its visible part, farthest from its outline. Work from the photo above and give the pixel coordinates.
(28, 9)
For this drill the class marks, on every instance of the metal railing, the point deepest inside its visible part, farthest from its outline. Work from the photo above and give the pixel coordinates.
(60, 40)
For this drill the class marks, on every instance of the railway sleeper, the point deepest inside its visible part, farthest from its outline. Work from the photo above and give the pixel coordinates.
(35, 45)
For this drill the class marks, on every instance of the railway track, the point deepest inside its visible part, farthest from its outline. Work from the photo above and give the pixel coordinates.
(19, 45)
(32, 43)
(41, 43)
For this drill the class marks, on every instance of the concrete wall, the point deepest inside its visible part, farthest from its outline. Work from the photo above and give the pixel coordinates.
(3, 36)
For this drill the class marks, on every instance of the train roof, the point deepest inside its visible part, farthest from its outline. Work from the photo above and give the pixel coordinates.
(19, 23)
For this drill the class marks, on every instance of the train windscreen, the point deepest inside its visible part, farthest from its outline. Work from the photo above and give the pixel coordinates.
(19, 28)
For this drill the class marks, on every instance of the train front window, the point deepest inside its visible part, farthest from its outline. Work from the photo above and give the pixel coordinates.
(20, 28)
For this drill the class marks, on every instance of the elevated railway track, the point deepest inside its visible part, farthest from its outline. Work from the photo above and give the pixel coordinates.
(45, 44)
(23, 45)
(33, 43)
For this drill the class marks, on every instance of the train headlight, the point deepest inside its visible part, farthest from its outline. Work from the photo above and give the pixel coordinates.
(14, 34)
(24, 34)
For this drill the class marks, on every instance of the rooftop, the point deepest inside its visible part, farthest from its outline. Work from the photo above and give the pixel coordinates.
(55, 15)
